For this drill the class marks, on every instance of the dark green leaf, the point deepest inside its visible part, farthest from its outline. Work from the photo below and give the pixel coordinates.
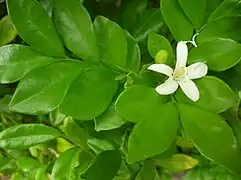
(148, 171)
(7, 31)
(48, 6)
(110, 119)
(17, 60)
(105, 166)
(52, 84)
(76, 29)
(215, 95)
(112, 42)
(212, 136)
(156, 43)
(91, 94)
(27, 135)
(35, 26)
(219, 54)
(136, 103)
(180, 26)
(154, 134)
(195, 11)
(133, 54)
(65, 164)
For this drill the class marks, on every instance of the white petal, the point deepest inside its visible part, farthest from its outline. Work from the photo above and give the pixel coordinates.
(197, 70)
(168, 87)
(161, 68)
(190, 89)
(182, 53)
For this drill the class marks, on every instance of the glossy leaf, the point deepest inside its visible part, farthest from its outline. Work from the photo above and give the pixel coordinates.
(76, 29)
(48, 6)
(215, 95)
(103, 169)
(52, 84)
(99, 145)
(27, 135)
(136, 103)
(177, 163)
(157, 130)
(17, 60)
(91, 94)
(194, 10)
(65, 164)
(219, 54)
(37, 32)
(7, 31)
(110, 119)
(112, 42)
(133, 54)
(211, 135)
(180, 26)
(156, 43)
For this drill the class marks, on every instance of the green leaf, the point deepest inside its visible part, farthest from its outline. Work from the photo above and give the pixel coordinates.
(17, 60)
(7, 31)
(110, 119)
(180, 26)
(224, 22)
(27, 163)
(177, 163)
(52, 84)
(219, 54)
(37, 32)
(39, 173)
(27, 135)
(75, 133)
(148, 171)
(76, 29)
(195, 11)
(156, 43)
(112, 42)
(148, 21)
(91, 94)
(154, 134)
(136, 102)
(105, 166)
(64, 164)
(133, 54)
(215, 95)
(99, 145)
(211, 135)
(18, 176)
(48, 6)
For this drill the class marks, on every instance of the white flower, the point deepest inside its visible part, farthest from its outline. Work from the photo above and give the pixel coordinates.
(181, 76)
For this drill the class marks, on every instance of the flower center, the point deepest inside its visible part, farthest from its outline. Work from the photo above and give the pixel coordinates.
(179, 74)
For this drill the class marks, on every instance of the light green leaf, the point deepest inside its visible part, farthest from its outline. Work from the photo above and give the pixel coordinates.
(52, 84)
(110, 119)
(148, 171)
(177, 163)
(18, 176)
(76, 29)
(27, 163)
(99, 145)
(156, 43)
(7, 31)
(112, 42)
(27, 135)
(158, 130)
(133, 54)
(105, 166)
(195, 11)
(219, 54)
(37, 32)
(91, 94)
(64, 164)
(17, 60)
(136, 102)
(180, 26)
(211, 135)
(215, 95)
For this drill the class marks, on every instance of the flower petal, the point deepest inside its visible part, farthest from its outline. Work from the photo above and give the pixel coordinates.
(190, 89)
(168, 87)
(197, 70)
(182, 53)
(161, 68)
